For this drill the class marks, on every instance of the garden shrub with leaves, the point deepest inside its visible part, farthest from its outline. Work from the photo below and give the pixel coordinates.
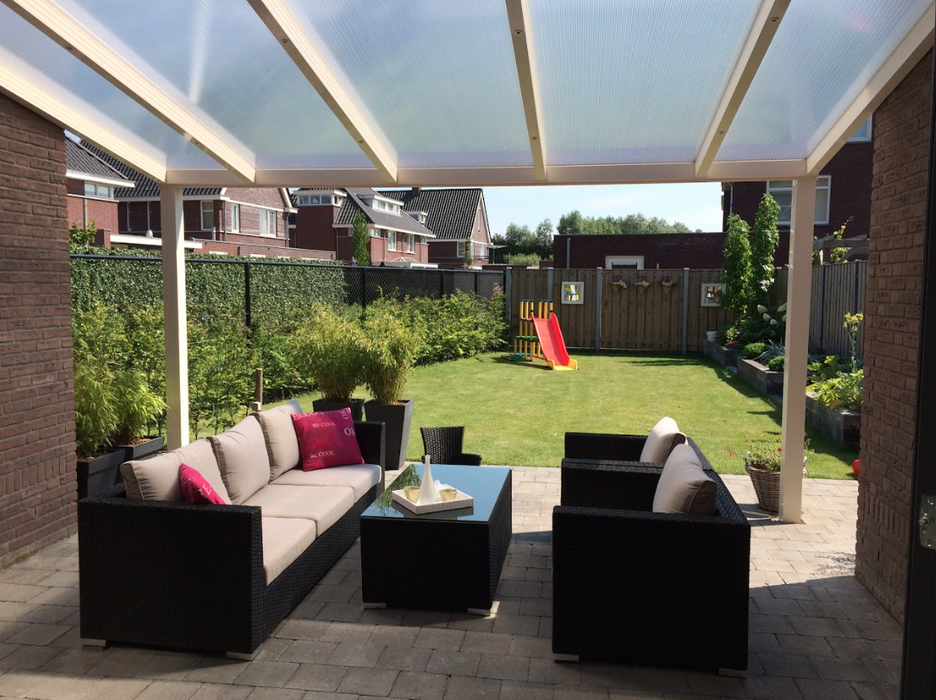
(776, 364)
(328, 349)
(752, 351)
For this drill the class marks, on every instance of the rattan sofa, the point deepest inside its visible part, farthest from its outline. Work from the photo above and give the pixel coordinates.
(647, 588)
(181, 575)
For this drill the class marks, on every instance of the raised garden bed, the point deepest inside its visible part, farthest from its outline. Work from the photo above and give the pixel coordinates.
(759, 377)
(721, 354)
(839, 425)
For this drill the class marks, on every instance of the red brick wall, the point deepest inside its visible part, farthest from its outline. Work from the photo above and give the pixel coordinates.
(445, 254)
(37, 422)
(891, 328)
(82, 211)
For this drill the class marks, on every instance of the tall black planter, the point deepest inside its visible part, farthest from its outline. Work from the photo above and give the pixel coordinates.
(98, 474)
(398, 418)
(141, 449)
(356, 406)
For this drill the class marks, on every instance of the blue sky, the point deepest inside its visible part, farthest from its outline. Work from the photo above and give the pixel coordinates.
(698, 205)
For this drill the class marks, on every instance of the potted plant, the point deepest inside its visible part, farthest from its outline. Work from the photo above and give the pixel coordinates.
(330, 350)
(762, 463)
(137, 409)
(391, 349)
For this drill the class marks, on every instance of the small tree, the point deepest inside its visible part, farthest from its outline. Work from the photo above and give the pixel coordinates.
(361, 239)
(79, 238)
(468, 259)
(764, 240)
(736, 270)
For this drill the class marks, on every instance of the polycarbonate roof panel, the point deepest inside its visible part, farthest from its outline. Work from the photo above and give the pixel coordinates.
(50, 67)
(439, 77)
(219, 56)
(636, 81)
(822, 57)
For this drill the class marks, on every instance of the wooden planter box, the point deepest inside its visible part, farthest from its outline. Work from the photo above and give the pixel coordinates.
(839, 425)
(759, 377)
(721, 354)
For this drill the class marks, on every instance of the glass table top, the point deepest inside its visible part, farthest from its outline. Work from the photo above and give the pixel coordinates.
(483, 484)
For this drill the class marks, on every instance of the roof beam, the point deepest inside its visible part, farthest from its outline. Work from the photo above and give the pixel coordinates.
(914, 46)
(288, 31)
(518, 15)
(62, 28)
(755, 48)
(79, 121)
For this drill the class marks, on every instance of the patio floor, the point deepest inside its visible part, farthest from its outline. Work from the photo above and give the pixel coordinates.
(815, 633)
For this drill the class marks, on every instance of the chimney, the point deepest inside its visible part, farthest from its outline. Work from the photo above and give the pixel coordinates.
(416, 190)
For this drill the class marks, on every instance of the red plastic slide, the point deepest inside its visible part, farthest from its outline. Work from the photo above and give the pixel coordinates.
(553, 346)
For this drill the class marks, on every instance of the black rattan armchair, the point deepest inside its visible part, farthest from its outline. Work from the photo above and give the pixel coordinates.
(648, 588)
(444, 446)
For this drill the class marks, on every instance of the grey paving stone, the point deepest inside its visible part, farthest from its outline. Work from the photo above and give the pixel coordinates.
(454, 663)
(404, 658)
(461, 688)
(276, 694)
(505, 668)
(826, 690)
(419, 686)
(487, 642)
(393, 636)
(217, 691)
(317, 677)
(215, 670)
(356, 655)
(368, 681)
(169, 690)
(274, 674)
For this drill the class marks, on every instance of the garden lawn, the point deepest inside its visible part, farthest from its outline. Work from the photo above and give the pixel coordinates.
(518, 413)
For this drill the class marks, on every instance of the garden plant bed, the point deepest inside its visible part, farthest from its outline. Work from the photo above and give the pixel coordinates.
(722, 355)
(841, 426)
(759, 377)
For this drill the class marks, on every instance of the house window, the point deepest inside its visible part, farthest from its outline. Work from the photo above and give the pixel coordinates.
(782, 192)
(235, 217)
(863, 134)
(93, 190)
(460, 249)
(267, 222)
(374, 233)
(391, 240)
(207, 216)
(410, 243)
(624, 262)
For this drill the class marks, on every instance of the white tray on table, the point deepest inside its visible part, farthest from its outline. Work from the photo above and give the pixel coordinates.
(461, 500)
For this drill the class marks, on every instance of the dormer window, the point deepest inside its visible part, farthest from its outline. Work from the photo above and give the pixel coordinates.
(419, 216)
(318, 200)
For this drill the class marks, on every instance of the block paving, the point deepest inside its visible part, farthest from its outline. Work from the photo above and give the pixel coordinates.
(815, 632)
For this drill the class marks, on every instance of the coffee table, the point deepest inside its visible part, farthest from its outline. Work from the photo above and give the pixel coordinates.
(450, 560)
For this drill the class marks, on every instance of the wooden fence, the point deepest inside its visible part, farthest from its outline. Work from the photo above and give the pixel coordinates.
(663, 310)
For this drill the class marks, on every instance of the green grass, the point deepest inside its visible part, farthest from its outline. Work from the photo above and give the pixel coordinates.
(517, 414)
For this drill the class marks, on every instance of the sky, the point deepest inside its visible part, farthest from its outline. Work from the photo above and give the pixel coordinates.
(698, 205)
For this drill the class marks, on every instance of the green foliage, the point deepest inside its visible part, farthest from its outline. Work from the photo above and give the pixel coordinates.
(468, 258)
(520, 240)
(841, 391)
(836, 254)
(776, 364)
(736, 269)
(391, 349)
(575, 223)
(764, 240)
(851, 325)
(80, 239)
(329, 349)
(138, 406)
(772, 350)
(752, 351)
(765, 456)
(766, 324)
(361, 240)
(523, 260)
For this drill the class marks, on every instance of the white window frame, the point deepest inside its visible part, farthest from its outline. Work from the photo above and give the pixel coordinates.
(823, 184)
(785, 187)
(374, 232)
(99, 191)
(627, 261)
(210, 206)
(268, 223)
(392, 240)
(460, 249)
(410, 243)
(862, 133)
(235, 218)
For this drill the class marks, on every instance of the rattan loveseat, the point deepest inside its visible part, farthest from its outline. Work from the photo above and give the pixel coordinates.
(192, 576)
(647, 588)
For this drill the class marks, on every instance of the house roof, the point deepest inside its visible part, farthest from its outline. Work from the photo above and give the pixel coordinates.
(81, 163)
(355, 202)
(145, 188)
(450, 212)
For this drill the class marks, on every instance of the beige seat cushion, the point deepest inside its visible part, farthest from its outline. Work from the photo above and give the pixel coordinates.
(242, 459)
(157, 478)
(359, 477)
(663, 437)
(284, 539)
(323, 504)
(280, 437)
(684, 487)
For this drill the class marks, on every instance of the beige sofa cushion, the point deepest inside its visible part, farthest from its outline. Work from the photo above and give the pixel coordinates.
(663, 437)
(280, 437)
(359, 477)
(684, 487)
(242, 459)
(157, 478)
(284, 539)
(323, 504)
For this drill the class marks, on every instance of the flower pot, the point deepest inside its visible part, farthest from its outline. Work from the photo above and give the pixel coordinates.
(710, 336)
(99, 474)
(397, 418)
(766, 486)
(142, 449)
(356, 406)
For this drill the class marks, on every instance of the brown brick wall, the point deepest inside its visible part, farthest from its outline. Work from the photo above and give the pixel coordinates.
(892, 328)
(82, 211)
(37, 423)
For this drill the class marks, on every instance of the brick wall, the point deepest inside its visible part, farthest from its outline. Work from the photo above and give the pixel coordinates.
(37, 425)
(892, 327)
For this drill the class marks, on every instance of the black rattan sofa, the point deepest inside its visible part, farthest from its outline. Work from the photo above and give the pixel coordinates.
(647, 588)
(174, 574)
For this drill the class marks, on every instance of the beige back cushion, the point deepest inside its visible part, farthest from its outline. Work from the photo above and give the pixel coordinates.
(242, 459)
(684, 487)
(280, 436)
(660, 442)
(157, 478)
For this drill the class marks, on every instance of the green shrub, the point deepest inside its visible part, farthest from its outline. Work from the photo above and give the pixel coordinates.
(736, 269)
(842, 391)
(753, 350)
(138, 407)
(329, 349)
(764, 240)
(391, 349)
(772, 350)
(776, 364)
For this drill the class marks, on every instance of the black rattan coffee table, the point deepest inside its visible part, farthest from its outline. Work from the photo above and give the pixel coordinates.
(450, 560)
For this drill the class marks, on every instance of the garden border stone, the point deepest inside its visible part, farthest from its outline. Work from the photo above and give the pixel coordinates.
(722, 355)
(840, 425)
(758, 376)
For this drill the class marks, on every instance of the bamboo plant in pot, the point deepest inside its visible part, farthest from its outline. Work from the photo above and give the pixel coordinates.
(391, 353)
(330, 350)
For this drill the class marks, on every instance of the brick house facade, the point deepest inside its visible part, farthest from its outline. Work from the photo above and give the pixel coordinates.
(37, 419)
(892, 334)
(91, 184)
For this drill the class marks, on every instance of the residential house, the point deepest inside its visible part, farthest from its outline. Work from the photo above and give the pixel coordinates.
(457, 217)
(325, 220)
(91, 183)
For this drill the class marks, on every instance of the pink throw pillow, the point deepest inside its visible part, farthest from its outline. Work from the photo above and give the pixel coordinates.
(195, 487)
(326, 439)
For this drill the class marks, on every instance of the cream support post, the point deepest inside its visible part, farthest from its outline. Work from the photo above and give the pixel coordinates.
(797, 342)
(173, 269)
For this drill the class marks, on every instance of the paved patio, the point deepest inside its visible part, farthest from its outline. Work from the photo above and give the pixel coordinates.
(815, 633)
